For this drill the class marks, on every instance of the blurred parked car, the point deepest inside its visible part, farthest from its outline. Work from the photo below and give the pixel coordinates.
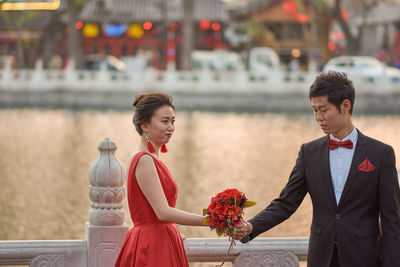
(260, 59)
(93, 62)
(138, 62)
(216, 60)
(264, 59)
(362, 66)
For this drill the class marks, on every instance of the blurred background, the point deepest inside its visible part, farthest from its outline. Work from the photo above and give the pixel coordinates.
(247, 138)
(304, 33)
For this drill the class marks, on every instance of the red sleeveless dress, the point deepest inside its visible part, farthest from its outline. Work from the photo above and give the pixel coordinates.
(151, 242)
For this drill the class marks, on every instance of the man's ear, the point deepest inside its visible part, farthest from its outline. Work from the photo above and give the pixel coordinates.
(346, 105)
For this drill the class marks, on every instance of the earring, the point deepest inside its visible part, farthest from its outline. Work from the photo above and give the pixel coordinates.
(164, 149)
(150, 146)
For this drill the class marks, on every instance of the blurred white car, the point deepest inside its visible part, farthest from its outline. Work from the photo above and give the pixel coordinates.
(216, 60)
(362, 67)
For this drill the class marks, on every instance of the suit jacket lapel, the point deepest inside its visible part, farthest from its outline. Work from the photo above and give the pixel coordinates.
(327, 171)
(358, 157)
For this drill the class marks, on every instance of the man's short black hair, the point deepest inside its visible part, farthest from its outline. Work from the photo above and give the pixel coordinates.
(336, 86)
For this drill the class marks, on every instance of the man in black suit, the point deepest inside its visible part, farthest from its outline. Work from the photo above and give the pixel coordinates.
(353, 184)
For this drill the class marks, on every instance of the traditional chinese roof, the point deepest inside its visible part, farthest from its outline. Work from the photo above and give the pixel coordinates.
(126, 11)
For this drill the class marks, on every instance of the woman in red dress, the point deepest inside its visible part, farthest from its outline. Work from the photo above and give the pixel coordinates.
(154, 240)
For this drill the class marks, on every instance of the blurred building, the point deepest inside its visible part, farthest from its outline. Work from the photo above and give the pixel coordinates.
(288, 28)
(120, 28)
(26, 34)
(381, 32)
(151, 28)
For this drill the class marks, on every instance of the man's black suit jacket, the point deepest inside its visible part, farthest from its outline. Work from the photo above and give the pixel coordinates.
(365, 223)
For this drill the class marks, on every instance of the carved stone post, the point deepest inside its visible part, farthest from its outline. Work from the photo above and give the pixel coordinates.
(105, 230)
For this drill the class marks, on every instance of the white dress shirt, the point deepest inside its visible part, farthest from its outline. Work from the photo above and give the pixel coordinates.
(340, 162)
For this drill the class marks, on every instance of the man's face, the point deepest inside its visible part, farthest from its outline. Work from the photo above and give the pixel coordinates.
(328, 116)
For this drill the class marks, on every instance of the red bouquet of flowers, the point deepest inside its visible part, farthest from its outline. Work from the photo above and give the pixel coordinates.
(225, 211)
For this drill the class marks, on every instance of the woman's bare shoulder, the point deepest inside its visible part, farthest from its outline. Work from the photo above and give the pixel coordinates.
(140, 154)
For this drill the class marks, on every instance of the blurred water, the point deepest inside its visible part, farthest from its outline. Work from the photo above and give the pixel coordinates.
(46, 155)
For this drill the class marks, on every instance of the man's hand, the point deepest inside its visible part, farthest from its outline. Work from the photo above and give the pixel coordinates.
(242, 230)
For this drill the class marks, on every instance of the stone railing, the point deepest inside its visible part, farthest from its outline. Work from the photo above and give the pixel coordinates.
(105, 232)
(44, 253)
(196, 81)
(263, 250)
(74, 253)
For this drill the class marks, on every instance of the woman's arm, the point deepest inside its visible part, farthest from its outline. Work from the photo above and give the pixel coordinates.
(149, 183)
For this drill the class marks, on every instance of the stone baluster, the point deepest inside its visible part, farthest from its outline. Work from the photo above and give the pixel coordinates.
(105, 230)
(7, 79)
(106, 190)
(71, 74)
(38, 75)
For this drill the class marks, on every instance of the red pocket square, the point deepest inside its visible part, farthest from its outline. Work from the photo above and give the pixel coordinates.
(366, 166)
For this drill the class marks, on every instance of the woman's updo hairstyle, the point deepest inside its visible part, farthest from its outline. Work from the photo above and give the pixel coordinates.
(145, 106)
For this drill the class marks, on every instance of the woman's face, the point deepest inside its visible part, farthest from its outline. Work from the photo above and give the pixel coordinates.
(161, 126)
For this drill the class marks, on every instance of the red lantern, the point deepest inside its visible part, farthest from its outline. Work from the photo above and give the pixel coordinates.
(147, 25)
(289, 9)
(345, 14)
(216, 26)
(331, 46)
(302, 18)
(204, 24)
(79, 25)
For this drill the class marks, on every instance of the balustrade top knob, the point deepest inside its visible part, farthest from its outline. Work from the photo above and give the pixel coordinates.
(107, 170)
(106, 190)
(107, 145)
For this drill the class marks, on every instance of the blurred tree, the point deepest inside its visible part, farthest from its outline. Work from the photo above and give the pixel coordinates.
(74, 38)
(26, 49)
(353, 39)
(25, 22)
(256, 30)
(51, 33)
(187, 43)
(338, 10)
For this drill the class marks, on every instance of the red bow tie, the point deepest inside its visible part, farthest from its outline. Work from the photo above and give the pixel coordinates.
(335, 144)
